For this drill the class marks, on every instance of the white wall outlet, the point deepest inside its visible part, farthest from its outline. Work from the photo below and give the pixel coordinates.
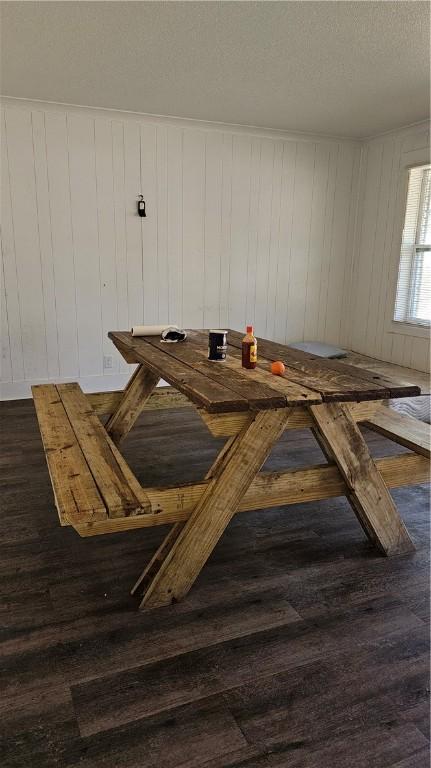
(107, 362)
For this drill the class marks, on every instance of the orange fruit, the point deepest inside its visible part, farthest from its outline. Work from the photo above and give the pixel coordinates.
(277, 368)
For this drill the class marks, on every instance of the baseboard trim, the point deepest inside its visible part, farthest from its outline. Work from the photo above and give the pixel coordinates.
(18, 390)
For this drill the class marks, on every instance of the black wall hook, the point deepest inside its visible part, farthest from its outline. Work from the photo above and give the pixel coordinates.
(141, 206)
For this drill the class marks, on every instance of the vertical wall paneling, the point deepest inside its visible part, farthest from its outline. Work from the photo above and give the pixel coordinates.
(302, 206)
(320, 187)
(367, 237)
(138, 293)
(46, 256)
(174, 223)
(378, 250)
(119, 203)
(226, 229)
(339, 245)
(241, 169)
(399, 342)
(6, 362)
(161, 198)
(289, 159)
(383, 339)
(350, 249)
(62, 242)
(82, 169)
(264, 236)
(241, 227)
(11, 314)
(26, 238)
(106, 233)
(253, 230)
(149, 226)
(274, 250)
(378, 242)
(212, 228)
(327, 241)
(193, 227)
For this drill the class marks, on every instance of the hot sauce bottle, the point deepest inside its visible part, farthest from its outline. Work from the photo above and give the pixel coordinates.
(249, 349)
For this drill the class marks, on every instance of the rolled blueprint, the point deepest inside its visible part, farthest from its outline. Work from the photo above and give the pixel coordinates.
(151, 330)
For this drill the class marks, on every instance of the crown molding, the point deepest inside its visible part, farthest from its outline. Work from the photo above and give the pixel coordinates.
(404, 130)
(178, 122)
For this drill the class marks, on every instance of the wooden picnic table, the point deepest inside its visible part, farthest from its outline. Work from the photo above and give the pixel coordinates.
(96, 492)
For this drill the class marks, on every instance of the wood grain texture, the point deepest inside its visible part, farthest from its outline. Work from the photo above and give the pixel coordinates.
(105, 403)
(224, 424)
(76, 494)
(368, 493)
(268, 489)
(404, 430)
(334, 380)
(215, 508)
(153, 566)
(258, 394)
(118, 486)
(294, 394)
(398, 372)
(293, 615)
(195, 385)
(135, 395)
(151, 569)
(186, 368)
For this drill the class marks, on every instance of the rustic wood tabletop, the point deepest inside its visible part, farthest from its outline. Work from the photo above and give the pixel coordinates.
(225, 386)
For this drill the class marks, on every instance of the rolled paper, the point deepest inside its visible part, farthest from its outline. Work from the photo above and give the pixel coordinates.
(151, 330)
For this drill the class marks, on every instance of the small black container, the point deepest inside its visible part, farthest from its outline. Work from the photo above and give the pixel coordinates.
(217, 345)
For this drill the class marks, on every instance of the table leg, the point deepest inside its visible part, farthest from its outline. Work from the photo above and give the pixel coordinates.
(135, 395)
(190, 549)
(153, 566)
(368, 494)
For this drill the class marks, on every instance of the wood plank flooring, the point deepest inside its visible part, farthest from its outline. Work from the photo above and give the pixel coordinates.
(298, 646)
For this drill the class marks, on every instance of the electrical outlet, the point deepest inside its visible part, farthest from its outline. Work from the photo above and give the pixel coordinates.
(107, 362)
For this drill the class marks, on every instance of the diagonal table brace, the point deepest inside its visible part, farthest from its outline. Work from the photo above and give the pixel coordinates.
(135, 395)
(368, 493)
(181, 557)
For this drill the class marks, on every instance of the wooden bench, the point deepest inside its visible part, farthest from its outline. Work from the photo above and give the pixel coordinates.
(405, 430)
(90, 479)
(96, 492)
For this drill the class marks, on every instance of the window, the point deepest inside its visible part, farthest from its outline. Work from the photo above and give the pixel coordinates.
(413, 299)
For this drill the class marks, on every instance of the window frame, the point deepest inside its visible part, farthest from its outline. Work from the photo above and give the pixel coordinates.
(411, 159)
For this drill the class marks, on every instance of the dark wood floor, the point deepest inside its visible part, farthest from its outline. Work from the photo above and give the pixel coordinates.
(298, 646)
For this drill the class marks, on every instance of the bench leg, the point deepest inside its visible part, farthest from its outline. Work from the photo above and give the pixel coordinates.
(135, 395)
(368, 493)
(189, 550)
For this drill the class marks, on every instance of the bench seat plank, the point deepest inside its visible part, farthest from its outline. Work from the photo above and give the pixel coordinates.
(76, 494)
(405, 430)
(117, 485)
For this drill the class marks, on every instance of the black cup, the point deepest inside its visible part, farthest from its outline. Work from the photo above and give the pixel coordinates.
(217, 345)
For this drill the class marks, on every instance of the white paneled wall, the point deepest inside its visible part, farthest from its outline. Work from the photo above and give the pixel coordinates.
(242, 227)
(381, 212)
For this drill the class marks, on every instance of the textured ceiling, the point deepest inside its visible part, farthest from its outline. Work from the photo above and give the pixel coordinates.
(339, 68)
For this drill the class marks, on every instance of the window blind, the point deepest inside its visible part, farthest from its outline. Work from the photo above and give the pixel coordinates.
(413, 298)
